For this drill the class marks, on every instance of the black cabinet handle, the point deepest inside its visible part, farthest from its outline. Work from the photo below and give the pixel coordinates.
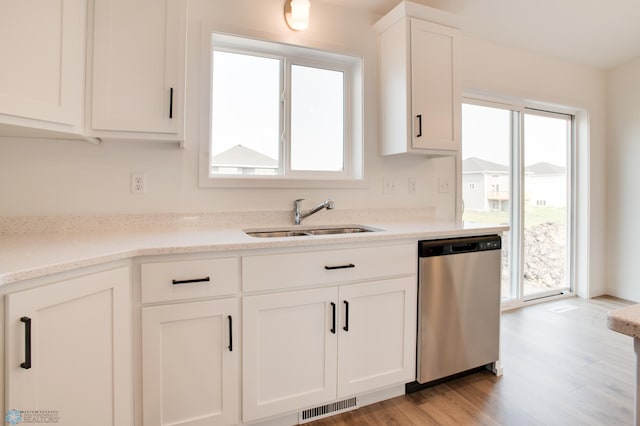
(333, 310)
(27, 343)
(195, 280)
(331, 268)
(346, 316)
(171, 102)
(419, 125)
(230, 333)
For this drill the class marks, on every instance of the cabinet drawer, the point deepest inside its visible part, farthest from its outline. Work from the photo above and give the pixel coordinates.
(291, 270)
(189, 279)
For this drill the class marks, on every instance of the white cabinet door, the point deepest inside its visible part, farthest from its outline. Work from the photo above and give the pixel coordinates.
(42, 46)
(434, 87)
(80, 350)
(190, 363)
(138, 67)
(377, 335)
(289, 351)
(419, 108)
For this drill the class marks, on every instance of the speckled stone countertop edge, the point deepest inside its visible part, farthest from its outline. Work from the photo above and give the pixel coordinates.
(625, 320)
(34, 256)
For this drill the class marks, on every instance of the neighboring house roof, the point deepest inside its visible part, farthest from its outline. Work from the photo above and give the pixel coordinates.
(478, 165)
(543, 168)
(241, 156)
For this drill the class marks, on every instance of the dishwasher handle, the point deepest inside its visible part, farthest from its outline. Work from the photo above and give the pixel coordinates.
(463, 247)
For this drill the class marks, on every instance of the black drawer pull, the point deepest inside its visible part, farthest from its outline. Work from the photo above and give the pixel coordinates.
(230, 333)
(333, 310)
(171, 102)
(331, 268)
(27, 343)
(195, 280)
(419, 135)
(346, 316)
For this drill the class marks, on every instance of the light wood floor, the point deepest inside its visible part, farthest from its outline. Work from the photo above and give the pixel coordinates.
(562, 366)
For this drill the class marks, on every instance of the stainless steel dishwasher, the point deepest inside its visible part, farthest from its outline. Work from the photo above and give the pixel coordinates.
(458, 305)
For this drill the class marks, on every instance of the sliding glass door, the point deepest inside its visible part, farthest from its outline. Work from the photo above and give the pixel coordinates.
(516, 170)
(546, 154)
(486, 174)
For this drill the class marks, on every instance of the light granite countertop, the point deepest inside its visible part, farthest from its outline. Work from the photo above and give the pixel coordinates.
(625, 320)
(38, 254)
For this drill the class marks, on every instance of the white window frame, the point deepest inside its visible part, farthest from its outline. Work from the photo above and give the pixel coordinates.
(351, 66)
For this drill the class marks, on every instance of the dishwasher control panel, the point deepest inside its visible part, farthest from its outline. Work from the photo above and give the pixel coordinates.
(489, 245)
(431, 248)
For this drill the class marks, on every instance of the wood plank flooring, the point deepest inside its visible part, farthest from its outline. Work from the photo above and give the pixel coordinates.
(562, 366)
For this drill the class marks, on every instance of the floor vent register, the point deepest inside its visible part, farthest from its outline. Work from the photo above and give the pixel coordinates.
(326, 410)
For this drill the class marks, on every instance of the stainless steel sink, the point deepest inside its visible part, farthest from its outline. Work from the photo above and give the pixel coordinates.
(329, 231)
(275, 234)
(301, 232)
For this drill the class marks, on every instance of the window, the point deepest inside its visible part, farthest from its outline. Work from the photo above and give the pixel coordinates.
(281, 115)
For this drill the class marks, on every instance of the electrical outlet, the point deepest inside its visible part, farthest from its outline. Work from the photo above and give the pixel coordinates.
(443, 185)
(388, 185)
(138, 183)
(412, 185)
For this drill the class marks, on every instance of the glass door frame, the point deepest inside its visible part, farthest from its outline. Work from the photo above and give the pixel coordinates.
(571, 202)
(517, 209)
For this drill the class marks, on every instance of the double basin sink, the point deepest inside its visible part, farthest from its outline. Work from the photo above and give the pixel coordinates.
(297, 232)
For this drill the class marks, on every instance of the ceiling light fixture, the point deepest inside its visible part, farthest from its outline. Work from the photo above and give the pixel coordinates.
(296, 13)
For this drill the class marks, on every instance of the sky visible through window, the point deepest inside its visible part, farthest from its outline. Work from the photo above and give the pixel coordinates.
(245, 103)
(486, 135)
(317, 119)
(246, 110)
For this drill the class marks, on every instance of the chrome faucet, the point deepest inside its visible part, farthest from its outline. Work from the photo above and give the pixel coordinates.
(299, 214)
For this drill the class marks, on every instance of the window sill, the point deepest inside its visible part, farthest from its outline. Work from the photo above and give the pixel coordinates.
(280, 182)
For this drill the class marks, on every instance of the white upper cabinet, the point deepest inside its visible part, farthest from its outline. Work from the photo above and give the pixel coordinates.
(42, 46)
(435, 101)
(137, 64)
(419, 88)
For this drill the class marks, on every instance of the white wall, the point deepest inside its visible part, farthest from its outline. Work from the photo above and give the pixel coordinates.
(623, 196)
(45, 177)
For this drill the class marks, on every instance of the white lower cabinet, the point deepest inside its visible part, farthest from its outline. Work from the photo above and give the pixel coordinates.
(379, 348)
(340, 324)
(289, 351)
(309, 347)
(190, 363)
(190, 352)
(68, 350)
